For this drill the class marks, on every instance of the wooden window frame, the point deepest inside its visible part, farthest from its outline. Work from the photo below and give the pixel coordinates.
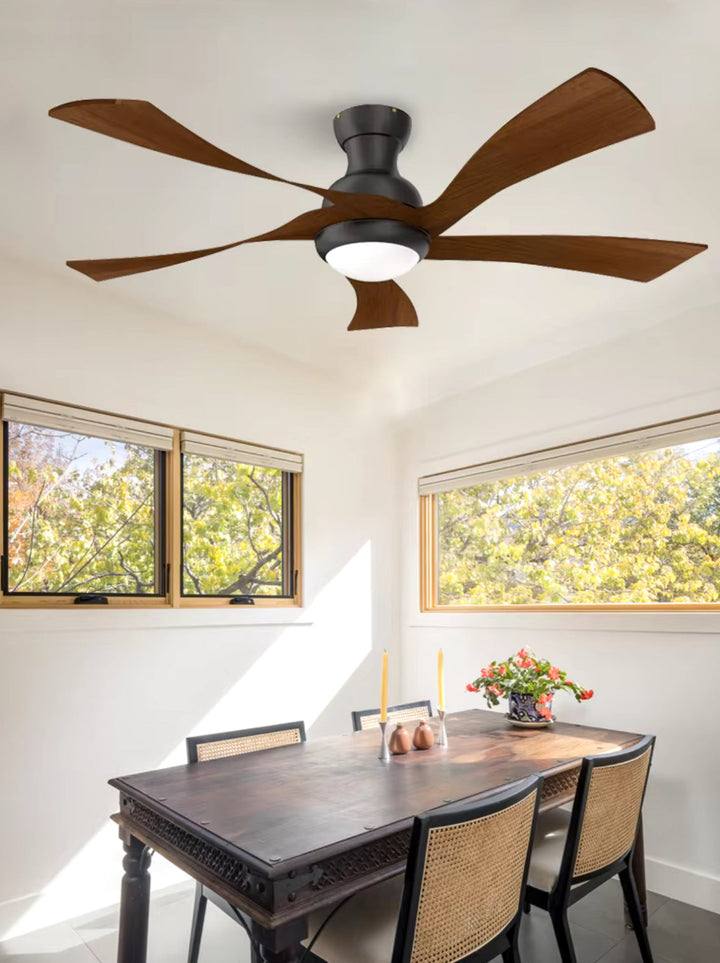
(429, 574)
(173, 597)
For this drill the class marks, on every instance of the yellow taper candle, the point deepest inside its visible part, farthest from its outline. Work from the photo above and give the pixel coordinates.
(441, 680)
(383, 691)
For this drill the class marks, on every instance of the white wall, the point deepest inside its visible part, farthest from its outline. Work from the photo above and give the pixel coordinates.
(651, 672)
(91, 695)
(85, 696)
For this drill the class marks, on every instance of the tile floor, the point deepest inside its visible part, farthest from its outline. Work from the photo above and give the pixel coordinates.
(679, 933)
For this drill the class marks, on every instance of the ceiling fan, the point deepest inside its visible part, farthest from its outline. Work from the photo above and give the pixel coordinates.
(373, 226)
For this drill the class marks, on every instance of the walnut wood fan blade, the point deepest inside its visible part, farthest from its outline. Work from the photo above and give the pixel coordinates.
(381, 304)
(590, 111)
(634, 258)
(140, 122)
(301, 228)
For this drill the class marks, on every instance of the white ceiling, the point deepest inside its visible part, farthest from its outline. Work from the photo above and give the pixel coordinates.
(263, 81)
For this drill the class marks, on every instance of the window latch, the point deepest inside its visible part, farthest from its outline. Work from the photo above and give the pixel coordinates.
(90, 599)
(242, 600)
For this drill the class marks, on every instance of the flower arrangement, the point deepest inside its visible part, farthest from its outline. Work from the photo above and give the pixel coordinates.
(524, 675)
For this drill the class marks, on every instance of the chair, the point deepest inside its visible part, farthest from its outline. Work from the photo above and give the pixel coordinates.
(220, 745)
(407, 712)
(461, 897)
(575, 852)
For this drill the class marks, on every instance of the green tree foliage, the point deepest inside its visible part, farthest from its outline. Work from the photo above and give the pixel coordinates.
(82, 518)
(232, 528)
(77, 523)
(632, 529)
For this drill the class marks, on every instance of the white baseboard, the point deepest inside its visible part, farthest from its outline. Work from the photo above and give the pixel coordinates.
(36, 911)
(686, 885)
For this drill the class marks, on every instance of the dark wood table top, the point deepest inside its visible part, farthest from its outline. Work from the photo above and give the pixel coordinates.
(282, 806)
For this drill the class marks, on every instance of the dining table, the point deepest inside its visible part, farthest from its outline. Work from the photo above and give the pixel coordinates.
(286, 831)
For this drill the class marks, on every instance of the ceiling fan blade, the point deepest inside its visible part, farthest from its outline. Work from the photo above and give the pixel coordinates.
(589, 111)
(301, 228)
(637, 259)
(381, 304)
(140, 122)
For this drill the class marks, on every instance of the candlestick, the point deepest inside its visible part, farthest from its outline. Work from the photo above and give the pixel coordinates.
(441, 680)
(384, 750)
(384, 688)
(442, 734)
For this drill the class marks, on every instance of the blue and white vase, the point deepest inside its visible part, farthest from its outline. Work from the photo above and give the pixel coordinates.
(522, 708)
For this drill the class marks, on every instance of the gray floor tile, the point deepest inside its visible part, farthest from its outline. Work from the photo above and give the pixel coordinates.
(627, 952)
(685, 934)
(538, 944)
(54, 944)
(602, 910)
(223, 940)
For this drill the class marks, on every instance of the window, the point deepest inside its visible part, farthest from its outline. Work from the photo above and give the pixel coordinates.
(84, 503)
(99, 509)
(236, 519)
(626, 520)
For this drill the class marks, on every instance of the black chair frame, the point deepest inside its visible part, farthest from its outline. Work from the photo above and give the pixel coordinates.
(569, 889)
(359, 714)
(204, 893)
(192, 742)
(504, 943)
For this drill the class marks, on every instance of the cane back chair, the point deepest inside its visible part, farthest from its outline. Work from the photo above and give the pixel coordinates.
(407, 712)
(461, 897)
(576, 852)
(221, 745)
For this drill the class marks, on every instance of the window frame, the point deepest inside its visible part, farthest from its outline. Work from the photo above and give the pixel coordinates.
(290, 507)
(170, 519)
(429, 545)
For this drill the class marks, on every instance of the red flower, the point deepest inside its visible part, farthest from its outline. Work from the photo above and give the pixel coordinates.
(544, 711)
(524, 654)
(501, 670)
(545, 697)
(587, 694)
(485, 673)
(495, 690)
(526, 664)
(553, 673)
(470, 687)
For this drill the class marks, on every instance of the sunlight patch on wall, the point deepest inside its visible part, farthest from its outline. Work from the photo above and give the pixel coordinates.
(296, 677)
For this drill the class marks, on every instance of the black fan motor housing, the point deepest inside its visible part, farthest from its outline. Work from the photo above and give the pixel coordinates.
(372, 136)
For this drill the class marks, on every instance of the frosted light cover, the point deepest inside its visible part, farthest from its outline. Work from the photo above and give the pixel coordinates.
(372, 260)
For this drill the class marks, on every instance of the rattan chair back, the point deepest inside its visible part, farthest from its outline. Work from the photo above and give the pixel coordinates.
(607, 809)
(407, 712)
(466, 876)
(220, 745)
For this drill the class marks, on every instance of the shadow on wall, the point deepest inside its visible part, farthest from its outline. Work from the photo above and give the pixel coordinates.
(88, 705)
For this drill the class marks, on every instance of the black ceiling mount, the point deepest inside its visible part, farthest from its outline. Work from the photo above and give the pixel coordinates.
(372, 136)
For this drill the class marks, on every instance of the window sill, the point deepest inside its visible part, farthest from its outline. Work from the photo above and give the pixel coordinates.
(600, 619)
(110, 618)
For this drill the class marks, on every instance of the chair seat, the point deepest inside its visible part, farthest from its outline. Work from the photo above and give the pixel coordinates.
(362, 931)
(547, 852)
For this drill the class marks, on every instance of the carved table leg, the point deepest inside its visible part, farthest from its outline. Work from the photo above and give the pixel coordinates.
(281, 945)
(134, 901)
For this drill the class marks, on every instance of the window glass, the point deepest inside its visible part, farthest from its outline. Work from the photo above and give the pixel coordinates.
(83, 515)
(636, 528)
(235, 519)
